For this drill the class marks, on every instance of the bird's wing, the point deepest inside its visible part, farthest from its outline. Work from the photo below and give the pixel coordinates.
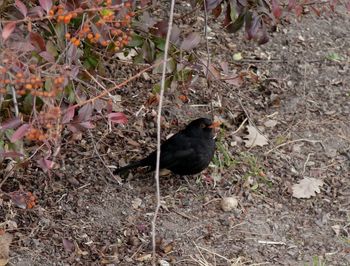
(175, 150)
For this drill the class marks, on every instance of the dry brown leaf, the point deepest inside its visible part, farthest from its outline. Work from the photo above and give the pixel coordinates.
(254, 138)
(5, 241)
(306, 188)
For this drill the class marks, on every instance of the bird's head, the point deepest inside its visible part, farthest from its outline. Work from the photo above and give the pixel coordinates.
(201, 127)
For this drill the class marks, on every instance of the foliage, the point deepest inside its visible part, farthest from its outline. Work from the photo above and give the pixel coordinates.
(41, 78)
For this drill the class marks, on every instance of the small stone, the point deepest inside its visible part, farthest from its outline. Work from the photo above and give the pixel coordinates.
(229, 203)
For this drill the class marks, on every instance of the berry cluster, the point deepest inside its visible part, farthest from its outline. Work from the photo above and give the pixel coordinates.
(106, 26)
(28, 83)
(49, 120)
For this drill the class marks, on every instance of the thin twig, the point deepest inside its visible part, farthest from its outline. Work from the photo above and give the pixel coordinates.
(208, 57)
(292, 141)
(162, 85)
(307, 160)
(116, 178)
(14, 99)
(118, 86)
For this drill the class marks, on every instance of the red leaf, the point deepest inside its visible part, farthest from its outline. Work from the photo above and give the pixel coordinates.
(117, 118)
(21, 7)
(68, 245)
(45, 164)
(317, 11)
(36, 11)
(11, 123)
(348, 6)
(85, 112)
(37, 41)
(47, 56)
(20, 133)
(68, 116)
(212, 4)
(191, 41)
(160, 28)
(8, 29)
(23, 46)
(298, 10)
(11, 154)
(217, 11)
(87, 125)
(291, 4)
(46, 5)
(332, 4)
(144, 3)
(276, 9)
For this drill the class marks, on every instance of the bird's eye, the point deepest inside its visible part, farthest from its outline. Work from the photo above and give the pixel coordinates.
(202, 125)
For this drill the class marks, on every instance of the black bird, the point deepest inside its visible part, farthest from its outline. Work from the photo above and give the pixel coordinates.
(188, 152)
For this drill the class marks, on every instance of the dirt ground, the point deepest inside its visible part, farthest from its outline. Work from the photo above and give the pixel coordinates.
(84, 217)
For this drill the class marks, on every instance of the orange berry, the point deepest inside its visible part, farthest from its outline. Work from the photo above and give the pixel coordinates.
(74, 14)
(67, 18)
(51, 12)
(76, 43)
(97, 36)
(19, 75)
(104, 43)
(67, 35)
(28, 86)
(90, 36)
(60, 11)
(60, 18)
(73, 39)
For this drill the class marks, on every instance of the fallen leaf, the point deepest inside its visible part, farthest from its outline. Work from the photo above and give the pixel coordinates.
(254, 138)
(146, 257)
(306, 188)
(237, 56)
(5, 241)
(190, 41)
(270, 123)
(68, 245)
(136, 203)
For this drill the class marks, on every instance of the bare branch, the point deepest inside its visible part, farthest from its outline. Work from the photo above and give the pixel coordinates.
(162, 85)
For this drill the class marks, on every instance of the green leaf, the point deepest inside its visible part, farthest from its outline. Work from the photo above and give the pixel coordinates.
(60, 33)
(90, 62)
(51, 48)
(255, 186)
(237, 56)
(106, 12)
(333, 56)
(160, 43)
(233, 11)
(138, 59)
(156, 87)
(70, 92)
(237, 25)
(136, 41)
(48, 84)
(149, 51)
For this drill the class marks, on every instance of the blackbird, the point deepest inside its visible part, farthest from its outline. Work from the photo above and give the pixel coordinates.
(188, 152)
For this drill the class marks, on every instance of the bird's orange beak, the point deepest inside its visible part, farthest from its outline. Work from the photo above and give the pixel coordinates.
(215, 124)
